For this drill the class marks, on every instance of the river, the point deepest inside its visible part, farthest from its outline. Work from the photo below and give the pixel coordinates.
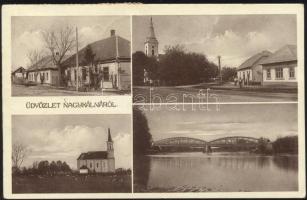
(200, 172)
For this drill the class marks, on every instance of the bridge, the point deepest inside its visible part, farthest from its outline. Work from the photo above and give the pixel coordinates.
(233, 143)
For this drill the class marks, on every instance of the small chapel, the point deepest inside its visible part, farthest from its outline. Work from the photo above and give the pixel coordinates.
(98, 161)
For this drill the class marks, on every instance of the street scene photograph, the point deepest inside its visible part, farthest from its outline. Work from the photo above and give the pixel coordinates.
(240, 148)
(71, 56)
(71, 154)
(238, 58)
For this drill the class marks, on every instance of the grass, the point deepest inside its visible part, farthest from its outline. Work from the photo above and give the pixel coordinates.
(72, 184)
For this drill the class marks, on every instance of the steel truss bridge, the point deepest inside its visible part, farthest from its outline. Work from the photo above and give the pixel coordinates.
(192, 144)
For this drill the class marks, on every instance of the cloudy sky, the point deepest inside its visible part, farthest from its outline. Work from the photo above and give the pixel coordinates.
(65, 137)
(27, 32)
(266, 120)
(234, 37)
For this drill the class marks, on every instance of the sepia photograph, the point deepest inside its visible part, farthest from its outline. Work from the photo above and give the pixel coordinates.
(71, 154)
(240, 58)
(71, 56)
(239, 148)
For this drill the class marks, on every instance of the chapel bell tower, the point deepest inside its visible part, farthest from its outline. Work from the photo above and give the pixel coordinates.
(151, 43)
(110, 149)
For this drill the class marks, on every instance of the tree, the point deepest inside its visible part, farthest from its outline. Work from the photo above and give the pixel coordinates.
(19, 153)
(141, 134)
(139, 61)
(59, 43)
(34, 56)
(228, 73)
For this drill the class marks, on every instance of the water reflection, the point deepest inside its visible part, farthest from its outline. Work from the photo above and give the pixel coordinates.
(231, 172)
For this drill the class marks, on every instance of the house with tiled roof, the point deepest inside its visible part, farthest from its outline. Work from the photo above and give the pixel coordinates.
(44, 71)
(280, 68)
(98, 161)
(109, 68)
(251, 69)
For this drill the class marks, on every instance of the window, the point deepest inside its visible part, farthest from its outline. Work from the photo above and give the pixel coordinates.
(279, 73)
(268, 73)
(153, 52)
(90, 165)
(75, 75)
(97, 165)
(291, 72)
(47, 76)
(83, 74)
(106, 73)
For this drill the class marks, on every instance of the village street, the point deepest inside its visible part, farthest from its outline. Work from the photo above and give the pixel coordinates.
(39, 90)
(215, 95)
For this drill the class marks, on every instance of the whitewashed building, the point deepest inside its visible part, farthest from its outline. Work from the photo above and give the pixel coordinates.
(98, 161)
(110, 67)
(43, 72)
(250, 71)
(280, 68)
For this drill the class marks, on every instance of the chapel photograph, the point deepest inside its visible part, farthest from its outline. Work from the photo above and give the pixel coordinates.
(239, 58)
(71, 154)
(71, 56)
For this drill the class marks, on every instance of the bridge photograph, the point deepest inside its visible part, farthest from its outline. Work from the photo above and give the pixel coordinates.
(196, 150)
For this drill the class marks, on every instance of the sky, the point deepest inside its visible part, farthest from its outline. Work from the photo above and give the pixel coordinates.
(27, 32)
(65, 137)
(234, 37)
(254, 120)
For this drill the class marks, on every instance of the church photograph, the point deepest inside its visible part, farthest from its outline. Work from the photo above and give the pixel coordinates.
(86, 153)
(175, 58)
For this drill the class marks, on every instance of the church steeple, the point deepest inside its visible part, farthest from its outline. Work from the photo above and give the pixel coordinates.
(151, 43)
(110, 149)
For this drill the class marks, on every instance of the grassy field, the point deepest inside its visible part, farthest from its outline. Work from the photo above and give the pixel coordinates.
(71, 184)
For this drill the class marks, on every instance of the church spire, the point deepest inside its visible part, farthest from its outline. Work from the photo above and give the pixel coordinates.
(109, 136)
(151, 29)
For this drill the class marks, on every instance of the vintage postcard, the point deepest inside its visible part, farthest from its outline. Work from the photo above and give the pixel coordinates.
(153, 101)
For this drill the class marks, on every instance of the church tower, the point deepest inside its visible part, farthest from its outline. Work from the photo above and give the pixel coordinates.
(110, 149)
(151, 43)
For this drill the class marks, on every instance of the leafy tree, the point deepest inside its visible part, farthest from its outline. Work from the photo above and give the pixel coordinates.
(228, 73)
(141, 135)
(139, 61)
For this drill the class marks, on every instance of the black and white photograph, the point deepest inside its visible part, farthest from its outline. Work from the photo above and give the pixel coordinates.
(240, 58)
(71, 56)
(71, 154)
(238, 148)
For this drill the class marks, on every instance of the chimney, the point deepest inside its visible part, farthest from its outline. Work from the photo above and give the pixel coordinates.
(112, 32)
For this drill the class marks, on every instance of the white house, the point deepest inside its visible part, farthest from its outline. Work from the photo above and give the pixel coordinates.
(20, 72)
(251, 69)
(110, 67)
(44, 72)
(98, 161)
(280, 68)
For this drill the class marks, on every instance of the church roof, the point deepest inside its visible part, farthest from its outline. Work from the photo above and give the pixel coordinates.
(254, 60)
(284, 54)
(104, 50)
(151, 37)
(93, 155)
(109, 135)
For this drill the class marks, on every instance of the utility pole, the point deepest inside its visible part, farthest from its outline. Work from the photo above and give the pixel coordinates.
(220, 69)
(77, 60)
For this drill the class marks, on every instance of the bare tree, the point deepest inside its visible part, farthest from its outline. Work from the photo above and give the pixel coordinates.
(19, 153)
(34, 56)
(59, 42)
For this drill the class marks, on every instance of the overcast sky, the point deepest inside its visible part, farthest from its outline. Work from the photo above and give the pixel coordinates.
(65, 137)
(234, 37)
(27, 32)
(262, 120)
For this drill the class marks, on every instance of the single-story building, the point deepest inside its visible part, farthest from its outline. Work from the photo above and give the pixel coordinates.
(280, 68)
(20, 72)
(109, 68)
(251, 69)
(43, 72)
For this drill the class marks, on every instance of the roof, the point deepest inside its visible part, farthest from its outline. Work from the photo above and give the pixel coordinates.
(106, 49)
(93, 155)
(109, 135)
(284, 54)
(254, 60)
(19, 69)
(45, 63)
